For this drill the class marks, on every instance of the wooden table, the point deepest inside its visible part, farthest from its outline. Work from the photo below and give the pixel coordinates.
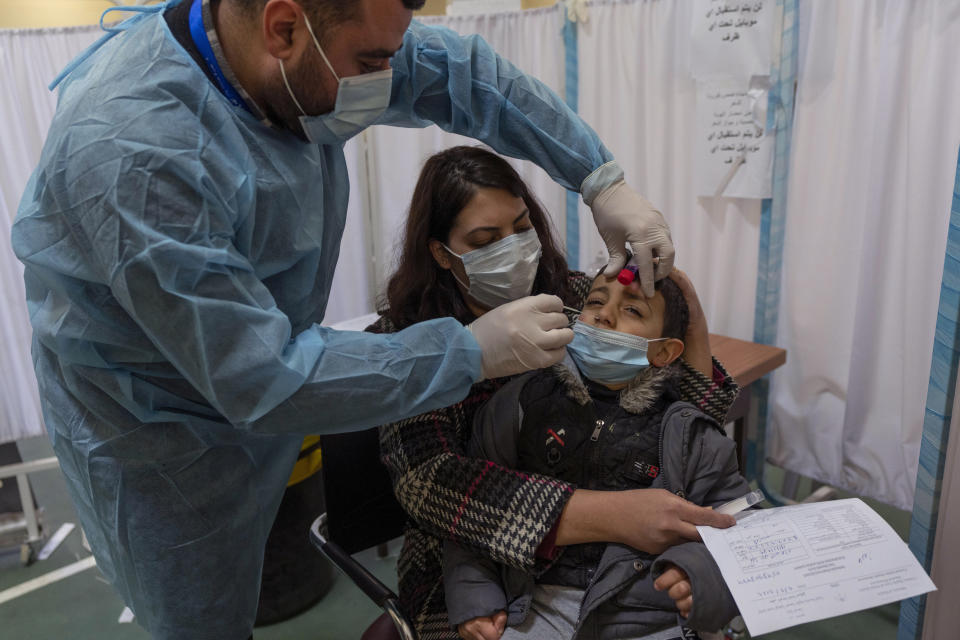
(747, 362)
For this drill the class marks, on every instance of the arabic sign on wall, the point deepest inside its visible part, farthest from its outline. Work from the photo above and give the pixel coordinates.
(732, 39)
(731, 55)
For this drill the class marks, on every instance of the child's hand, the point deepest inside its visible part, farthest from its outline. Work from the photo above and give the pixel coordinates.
(677, 585)
(484, 627)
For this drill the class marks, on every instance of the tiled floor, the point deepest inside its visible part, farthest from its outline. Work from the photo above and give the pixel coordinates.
(84, 607)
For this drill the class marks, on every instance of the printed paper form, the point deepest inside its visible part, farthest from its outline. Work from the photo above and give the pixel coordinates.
(796, 564)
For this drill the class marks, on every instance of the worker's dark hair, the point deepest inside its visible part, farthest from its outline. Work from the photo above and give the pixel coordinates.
(420, 289)
(676, 313)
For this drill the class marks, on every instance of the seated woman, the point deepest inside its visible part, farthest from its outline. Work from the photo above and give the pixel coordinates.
(475, 238)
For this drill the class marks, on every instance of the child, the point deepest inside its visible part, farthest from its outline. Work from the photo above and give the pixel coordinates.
(605, 419)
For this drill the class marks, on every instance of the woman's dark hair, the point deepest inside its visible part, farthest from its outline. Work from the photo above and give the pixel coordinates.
(420, 289)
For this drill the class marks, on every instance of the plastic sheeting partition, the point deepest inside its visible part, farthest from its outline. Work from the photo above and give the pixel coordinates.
(783, 75)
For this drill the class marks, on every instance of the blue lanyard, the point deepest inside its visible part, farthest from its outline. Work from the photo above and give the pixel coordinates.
(199, 35)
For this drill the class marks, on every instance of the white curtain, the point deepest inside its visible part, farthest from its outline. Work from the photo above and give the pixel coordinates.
(29, 60)
(637, 91)
(533, 41)
(875, 140)
(353, 291)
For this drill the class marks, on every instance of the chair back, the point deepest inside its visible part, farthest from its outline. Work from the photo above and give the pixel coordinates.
(362, 511)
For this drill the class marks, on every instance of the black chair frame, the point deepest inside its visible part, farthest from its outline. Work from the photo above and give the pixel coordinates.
(379, 593)
(361, 512)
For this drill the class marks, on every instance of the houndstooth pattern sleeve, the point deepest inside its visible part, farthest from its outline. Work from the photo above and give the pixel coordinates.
(501, 514)
(713, 396)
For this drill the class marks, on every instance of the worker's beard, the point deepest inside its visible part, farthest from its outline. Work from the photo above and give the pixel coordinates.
(311, 82)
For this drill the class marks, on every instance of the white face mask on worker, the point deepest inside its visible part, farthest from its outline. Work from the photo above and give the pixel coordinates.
(360, 101)
(502, 271)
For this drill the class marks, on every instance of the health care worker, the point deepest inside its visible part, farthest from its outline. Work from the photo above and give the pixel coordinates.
(179, 237)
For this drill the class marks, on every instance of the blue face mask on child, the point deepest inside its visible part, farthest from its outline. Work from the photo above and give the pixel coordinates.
(606, 356)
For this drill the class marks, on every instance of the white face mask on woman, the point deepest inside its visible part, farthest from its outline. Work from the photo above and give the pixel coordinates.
(360, 101)
(503, 271)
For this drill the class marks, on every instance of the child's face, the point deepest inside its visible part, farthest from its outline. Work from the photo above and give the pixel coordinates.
(610, 305)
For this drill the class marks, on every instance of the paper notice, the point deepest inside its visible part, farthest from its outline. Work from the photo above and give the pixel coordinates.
(734, 153)
(732, 39)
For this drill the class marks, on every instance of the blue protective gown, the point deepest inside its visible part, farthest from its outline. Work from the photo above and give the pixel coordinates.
(178, 257)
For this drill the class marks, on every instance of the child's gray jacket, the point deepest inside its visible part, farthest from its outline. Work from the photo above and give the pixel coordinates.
(692, 458)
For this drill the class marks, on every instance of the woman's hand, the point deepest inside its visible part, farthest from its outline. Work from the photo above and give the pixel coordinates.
(677, 585)
(697, 340)
(650, 520)
(484, 627)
